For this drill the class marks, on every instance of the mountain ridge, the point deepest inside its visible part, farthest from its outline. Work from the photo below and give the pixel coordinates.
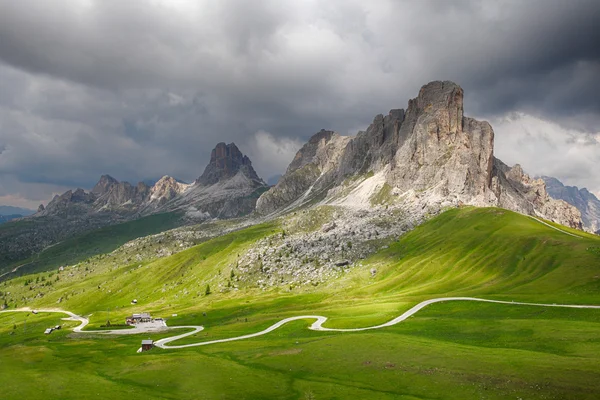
(110, 195)
(430, 152)
(231, 192)
(584, 200)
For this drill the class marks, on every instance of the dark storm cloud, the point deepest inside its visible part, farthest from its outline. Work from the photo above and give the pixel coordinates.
(139, 89)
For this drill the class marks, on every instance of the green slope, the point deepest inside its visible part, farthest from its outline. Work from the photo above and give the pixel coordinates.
(100, 241)
(494, 252)
(455, 350)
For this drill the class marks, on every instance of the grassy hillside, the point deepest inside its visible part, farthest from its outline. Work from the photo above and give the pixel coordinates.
(453, 350)
(100, 241)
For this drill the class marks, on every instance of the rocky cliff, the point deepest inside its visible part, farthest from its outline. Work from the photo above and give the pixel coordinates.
(226, 161)
(587, 203)
(430, 152)
(228, 187)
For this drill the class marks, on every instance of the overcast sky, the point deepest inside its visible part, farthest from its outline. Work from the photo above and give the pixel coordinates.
(142, 89)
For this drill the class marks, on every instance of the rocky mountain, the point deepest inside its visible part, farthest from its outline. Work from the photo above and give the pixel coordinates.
(587, 203)
(229, 187)
(429, 154)
(226, 161)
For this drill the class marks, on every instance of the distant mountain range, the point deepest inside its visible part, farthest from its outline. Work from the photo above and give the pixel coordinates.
(229, 187)
(585, 201)
(8, 213)
(10, 210)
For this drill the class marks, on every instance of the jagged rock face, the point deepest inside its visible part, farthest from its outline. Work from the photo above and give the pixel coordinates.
(431, 149)
(123, 195)
(440, 149)
(166, 189)
(586, 202)
(226, 160)
(429, 146)
(105, 183)
(229, 187)
(69, 203)
(517, 191)
(314, 169)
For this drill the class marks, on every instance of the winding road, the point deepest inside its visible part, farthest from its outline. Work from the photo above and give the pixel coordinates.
(316, 326)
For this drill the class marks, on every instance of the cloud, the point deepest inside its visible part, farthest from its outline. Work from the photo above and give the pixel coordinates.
(139, 89)
(269, 153)
(545, 148)
(28, 195)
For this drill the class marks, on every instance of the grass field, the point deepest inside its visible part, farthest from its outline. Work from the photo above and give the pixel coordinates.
(457, 350)
(100, 241)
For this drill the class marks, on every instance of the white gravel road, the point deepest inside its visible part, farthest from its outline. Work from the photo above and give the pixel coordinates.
(160, 326)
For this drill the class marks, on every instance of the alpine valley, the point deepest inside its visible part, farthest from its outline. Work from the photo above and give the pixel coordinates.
(495, 276)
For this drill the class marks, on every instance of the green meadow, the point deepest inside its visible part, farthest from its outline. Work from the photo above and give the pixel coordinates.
(81, 247)
(452, 350)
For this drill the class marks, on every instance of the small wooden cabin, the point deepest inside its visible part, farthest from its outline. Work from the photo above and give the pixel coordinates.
(147, 344)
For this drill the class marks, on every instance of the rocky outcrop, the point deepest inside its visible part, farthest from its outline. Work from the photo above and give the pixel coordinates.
(587, 203)
(226, 160)
(166, 189)
(430, 151)
(104, 185)
(312, 171)
(70, 203)
(442, 151)
(229, 187)
(517, 191)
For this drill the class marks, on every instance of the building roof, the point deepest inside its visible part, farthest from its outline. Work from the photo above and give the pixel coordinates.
(142, 315)
(147, 341)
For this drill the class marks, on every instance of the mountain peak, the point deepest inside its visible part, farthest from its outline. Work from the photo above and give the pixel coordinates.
(104, 184)
(226, 160)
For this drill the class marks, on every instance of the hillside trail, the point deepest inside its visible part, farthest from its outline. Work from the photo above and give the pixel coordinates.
(316, 326)
(555, 228)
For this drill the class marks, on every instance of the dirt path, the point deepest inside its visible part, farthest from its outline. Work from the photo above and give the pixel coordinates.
(316, 326)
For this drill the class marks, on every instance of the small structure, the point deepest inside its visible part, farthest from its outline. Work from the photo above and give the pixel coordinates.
(147, 345)
(57, 327)
(134, 301)
(34, 311)
(48, 331)
(137, 318)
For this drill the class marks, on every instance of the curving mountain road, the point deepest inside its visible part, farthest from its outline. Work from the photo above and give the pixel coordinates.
(316, 326)
(320, 320)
